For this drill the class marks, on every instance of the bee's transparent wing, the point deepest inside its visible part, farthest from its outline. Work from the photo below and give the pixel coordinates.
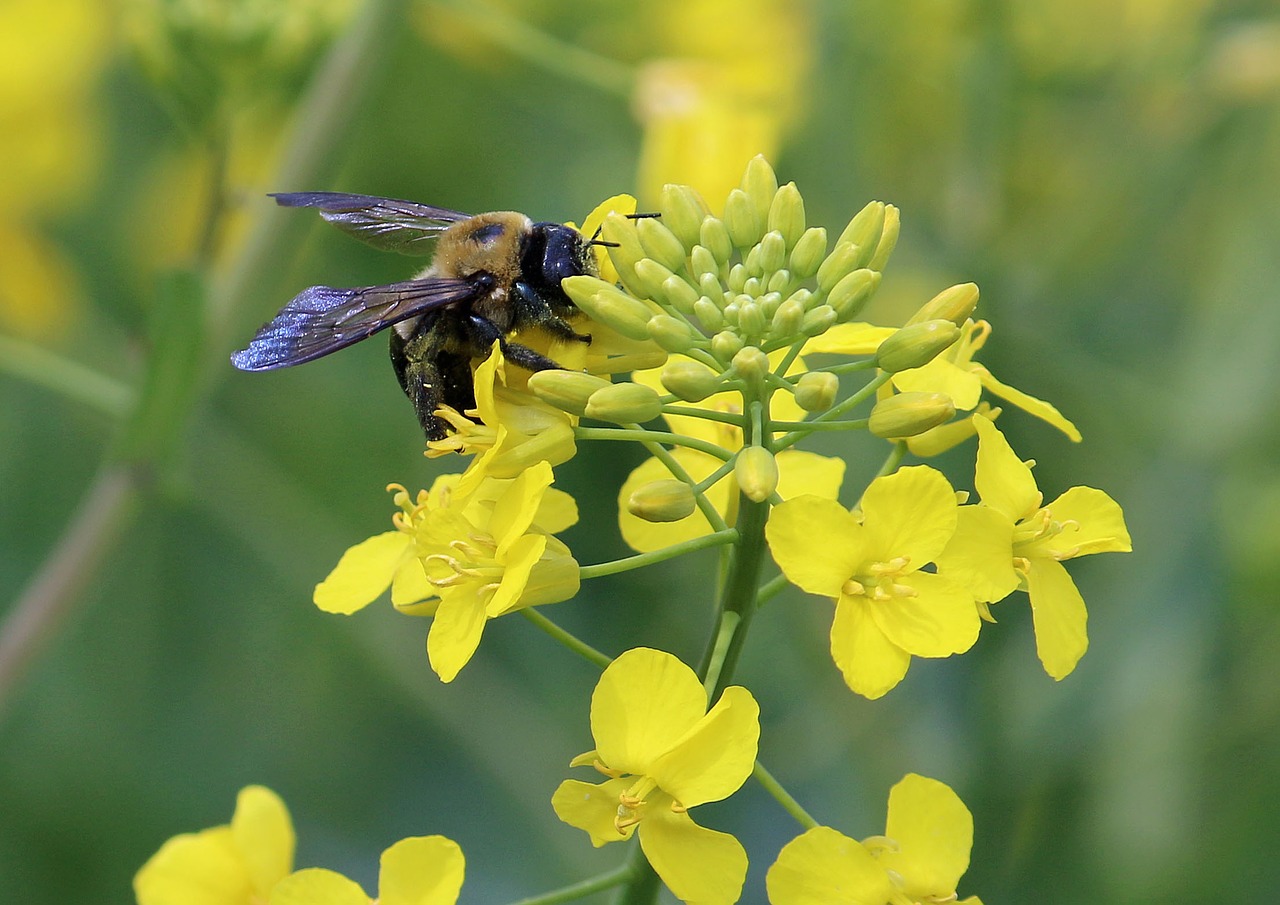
(322, 319)
(385, 223)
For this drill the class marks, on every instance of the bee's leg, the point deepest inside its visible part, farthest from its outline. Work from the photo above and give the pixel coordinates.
(430, 377)
(484, 332)
(532, 308)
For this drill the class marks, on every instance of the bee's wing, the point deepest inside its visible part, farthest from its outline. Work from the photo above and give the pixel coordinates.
(322, 319)
(385, 223)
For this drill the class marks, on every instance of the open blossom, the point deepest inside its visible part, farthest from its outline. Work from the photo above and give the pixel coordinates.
(920, 858)
(420, 870)
(665, 753)
(1010, 541)
(871, 562)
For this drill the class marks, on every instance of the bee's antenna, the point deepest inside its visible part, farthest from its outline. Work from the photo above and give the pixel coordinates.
(603, 243)
(650, 216)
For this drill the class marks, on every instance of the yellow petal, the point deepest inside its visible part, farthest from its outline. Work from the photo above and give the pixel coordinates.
(716, 756)
(643, 536)
(697, 864)
(514, 511)
(363, 573)
(942, 376)
(316, 886)
(1059, 615)
(870, 662)
(910, 513)
(409, 585)
(1002, 479)
(264, 836)
(557, 511)
(1097, 524)
(850, 339)
(1029, 404)
(816, 542)
(645, 701)
(801, 472)
(456, 630)
(939, 621)
(979, 556)
(824, 867)
(554, 577)
(195, 869)
(934, 832)
(622, 204)
(520, 559)
(592, 808)
(421, 870)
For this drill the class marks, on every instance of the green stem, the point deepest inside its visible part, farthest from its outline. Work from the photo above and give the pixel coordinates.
(644, 884)
(639, 433)
(582, 889)
(834, 413)
(626, 564)
(894, 459)
(771, 589)
(787, 360)
(574, 643)
(705, 414)
(789, 804)
(65, 377)
(850, 367)
(810, 427)
(712, 479)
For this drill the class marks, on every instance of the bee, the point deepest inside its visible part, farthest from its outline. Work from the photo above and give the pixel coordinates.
(491, 275)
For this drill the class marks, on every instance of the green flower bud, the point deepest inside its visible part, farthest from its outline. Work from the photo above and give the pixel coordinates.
(624, 403)
(786, 214)
(673, 334)
(864, 230)
(710, 286)
(682, 212)
(888, 238)
(818, 320)
(752, 261)
(907, 414)
(954, 304)
(714, 235)
(757, 473)
(617, 229)
(750, 363)
(770, 302)
(809, 252)
(703, 263)
(603, 302)
(751, 287)
(692, 381)
(751, 319)
(916, 345)
(804, 297)
(566, 390)
(852, 292)
(709, 314)
(679, 294)
(742, 219)
(780, 282)
(773, 252)
(662, 501)
(725, 345)
(737, 277)
(661, 244)
(839, 264)
(760, 185)
(787, 319)
(816, 391)
(649, 277)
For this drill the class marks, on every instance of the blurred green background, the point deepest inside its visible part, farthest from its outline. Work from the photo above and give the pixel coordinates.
(1107, 172)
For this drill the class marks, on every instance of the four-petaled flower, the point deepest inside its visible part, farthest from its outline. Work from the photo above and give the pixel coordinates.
(871, 561)
(1010, 541)
(664, 753)
(420, 870)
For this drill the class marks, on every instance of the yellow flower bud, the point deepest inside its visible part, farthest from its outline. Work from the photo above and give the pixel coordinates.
(566, 390)
(742, 220)
(703, 263)
(673, 334)
(662, 501)
(756, 471)
(839, 264)
(786, 214)
(760, 184)
(624, 403)
(888, 238)
(818, 320)
(682, 212)
(780, 282)
(649, 277)
(603, 302)
(555, 446)
(787, 319)
(773, 252)
(916, 345)
(679, 294)
(715, 237)
(725, 345)
(865, 230)
(852, 292)
(737, 277)
(816, 391)
(660, 243)
(907, 414)
(708, 314)
(616, 228)
(955, 304)
(751, 319)
(692, 381)
(809, 252)
(751, 363)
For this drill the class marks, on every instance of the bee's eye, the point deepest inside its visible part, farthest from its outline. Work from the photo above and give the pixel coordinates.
(487, 234)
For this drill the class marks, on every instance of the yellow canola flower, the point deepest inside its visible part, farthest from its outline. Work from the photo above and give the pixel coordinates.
(665, 753)
(919, 860)
(420, 870)
(871, 562)
(236, 864)
(1011, 541)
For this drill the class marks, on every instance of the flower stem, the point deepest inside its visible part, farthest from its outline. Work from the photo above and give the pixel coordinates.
(642, 889)
(789, 804)
(626, 564)
(639, 433)
(738, 601)
(574, 643)
(68, 378)
(581, 889)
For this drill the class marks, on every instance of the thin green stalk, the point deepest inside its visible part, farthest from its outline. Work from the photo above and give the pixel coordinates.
(65, 377)
(638, 433)
(811, 427)
(705, 414)
(789, 804)
(627, 563)
(850, 367)
(834, 413)
(894, 459)
(787, 360)
(574, 643)
(710, 480)
(582, 889)
(644, 884)
(771, 589)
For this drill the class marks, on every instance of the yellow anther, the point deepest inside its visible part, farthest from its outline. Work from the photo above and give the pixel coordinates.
(893, 566)
(677, 807)
(853, 588)
(903, 590)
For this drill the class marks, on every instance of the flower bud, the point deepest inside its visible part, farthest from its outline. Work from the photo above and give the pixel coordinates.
(673, 334)
(818, 320)
(742, 220)
(915, 345)
(864, 230)
(566, 390)
(649, 277)
(662, 501)
(624, 403)
(682, 212)
(679, 294)
(907, 414)
(751, 318)
(752, 261)
(787, 319)
(626, 248)
(786, 214)
(750, 363)
(555, 446)
(760, 184)
(660, 244)
(816, 391)
(888, 239)
(711, 287)
(603, 302)
(703, 263)
(715, 237)
(708, 314)
(955, 304)
(725, 345)
(692, 381)
(737, 277)
(839, 264)
(757, 473)
(780, 282)
(773, 252)
(849, 295)
(809, 252)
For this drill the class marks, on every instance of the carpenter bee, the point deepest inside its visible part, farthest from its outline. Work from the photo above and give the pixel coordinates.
(491, 275)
